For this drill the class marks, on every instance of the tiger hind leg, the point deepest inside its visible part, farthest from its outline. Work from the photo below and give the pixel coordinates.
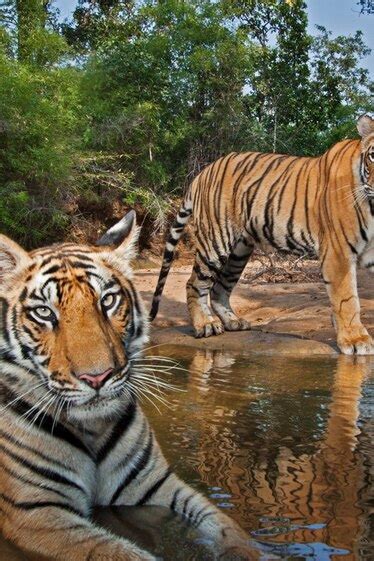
(204, 321)
(226, 282)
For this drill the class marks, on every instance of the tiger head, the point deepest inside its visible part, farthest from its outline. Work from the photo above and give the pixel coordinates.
(365, 126)
(71, 320)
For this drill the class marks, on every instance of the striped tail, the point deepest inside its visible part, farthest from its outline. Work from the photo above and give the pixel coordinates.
(175, 234)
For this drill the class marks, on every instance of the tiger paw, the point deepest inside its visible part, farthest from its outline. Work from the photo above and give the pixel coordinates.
(356, 342)
(237, 324)
(210, 328)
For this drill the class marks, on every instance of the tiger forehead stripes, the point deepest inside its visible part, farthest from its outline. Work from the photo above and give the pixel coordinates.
(74, 287)
(309, 206)
(72, 435)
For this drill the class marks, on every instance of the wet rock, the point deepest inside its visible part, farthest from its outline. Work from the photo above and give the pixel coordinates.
(254, 342)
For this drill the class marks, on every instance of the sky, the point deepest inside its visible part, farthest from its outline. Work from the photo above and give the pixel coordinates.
(342, 17)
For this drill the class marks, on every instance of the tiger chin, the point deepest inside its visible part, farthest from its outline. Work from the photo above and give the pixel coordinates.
(322, 207)
(72, 433)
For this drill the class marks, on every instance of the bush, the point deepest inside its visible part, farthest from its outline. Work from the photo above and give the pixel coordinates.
(38, 110)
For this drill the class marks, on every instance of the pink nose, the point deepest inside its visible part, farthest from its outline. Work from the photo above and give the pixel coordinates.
(96, 380)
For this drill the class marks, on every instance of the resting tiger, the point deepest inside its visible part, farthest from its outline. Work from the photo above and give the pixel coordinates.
(72, 433)
(317, 206)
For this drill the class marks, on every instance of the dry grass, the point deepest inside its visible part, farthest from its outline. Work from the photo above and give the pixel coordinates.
(278, 268)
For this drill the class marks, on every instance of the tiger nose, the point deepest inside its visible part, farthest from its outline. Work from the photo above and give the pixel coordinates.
(96, 380)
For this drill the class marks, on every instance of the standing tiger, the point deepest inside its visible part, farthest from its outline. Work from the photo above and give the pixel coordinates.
(72, 434)
(316, 206)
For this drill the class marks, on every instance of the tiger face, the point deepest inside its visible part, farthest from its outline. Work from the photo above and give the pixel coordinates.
(71, 321)
(365, 126)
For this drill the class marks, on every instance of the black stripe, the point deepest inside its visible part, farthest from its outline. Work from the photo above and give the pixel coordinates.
(81, 265)
(43, 471)
(47, 423)
(197, 514)
(7, 355)
(185, 505)
(80, 256)
(26, 351)
(25, 446)
(134, 472)
(30, 333)
(48, 504)
(19, 477)
(23, 295)
(4, 315)
(119, 429)
(173, 503)
(43, 504)
(198, 523)
(153, 490)
(52, 270)
(184, 213)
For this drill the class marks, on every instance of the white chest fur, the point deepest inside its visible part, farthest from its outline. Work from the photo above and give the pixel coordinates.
(367, 257)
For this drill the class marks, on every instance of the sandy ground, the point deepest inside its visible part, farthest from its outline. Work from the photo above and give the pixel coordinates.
(286, 318)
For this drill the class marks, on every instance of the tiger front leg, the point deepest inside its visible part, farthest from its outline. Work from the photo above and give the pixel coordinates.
(64, 536)
(229, 541)
(204, 321)
(226, 281)
(339, 273)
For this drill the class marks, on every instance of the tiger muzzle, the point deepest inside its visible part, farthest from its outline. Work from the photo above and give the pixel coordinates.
(96, 381)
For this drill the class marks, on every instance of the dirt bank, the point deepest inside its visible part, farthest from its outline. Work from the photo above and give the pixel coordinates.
(287, 318)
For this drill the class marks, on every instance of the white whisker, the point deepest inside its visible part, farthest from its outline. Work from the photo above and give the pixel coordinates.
(44, 409)
(148, 349)
(157, 358)
(21, 396)
(161, 368)
(140, 375)
(59, 407)
(35, 411)
(143, 387)
(141, 393)
(36, 405)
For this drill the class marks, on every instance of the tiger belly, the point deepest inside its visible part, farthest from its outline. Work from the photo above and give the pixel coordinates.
(282, 236)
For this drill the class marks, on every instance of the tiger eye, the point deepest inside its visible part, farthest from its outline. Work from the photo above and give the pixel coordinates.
(43, 312)
(109, 300)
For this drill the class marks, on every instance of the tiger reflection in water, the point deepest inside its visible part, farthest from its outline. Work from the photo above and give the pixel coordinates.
(287, 442)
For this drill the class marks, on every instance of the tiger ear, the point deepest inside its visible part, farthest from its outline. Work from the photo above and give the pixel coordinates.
(12, 258)
(365, 125)
(123, 236)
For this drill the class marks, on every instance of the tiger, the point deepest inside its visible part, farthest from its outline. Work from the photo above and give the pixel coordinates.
(73, 435)
(316, 206)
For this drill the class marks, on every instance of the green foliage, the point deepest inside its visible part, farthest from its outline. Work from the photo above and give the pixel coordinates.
(367, 6)
(38, 121)
(168, 92)
(126, 103)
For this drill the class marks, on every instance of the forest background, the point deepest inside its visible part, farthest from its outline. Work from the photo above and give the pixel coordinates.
(123, 105)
